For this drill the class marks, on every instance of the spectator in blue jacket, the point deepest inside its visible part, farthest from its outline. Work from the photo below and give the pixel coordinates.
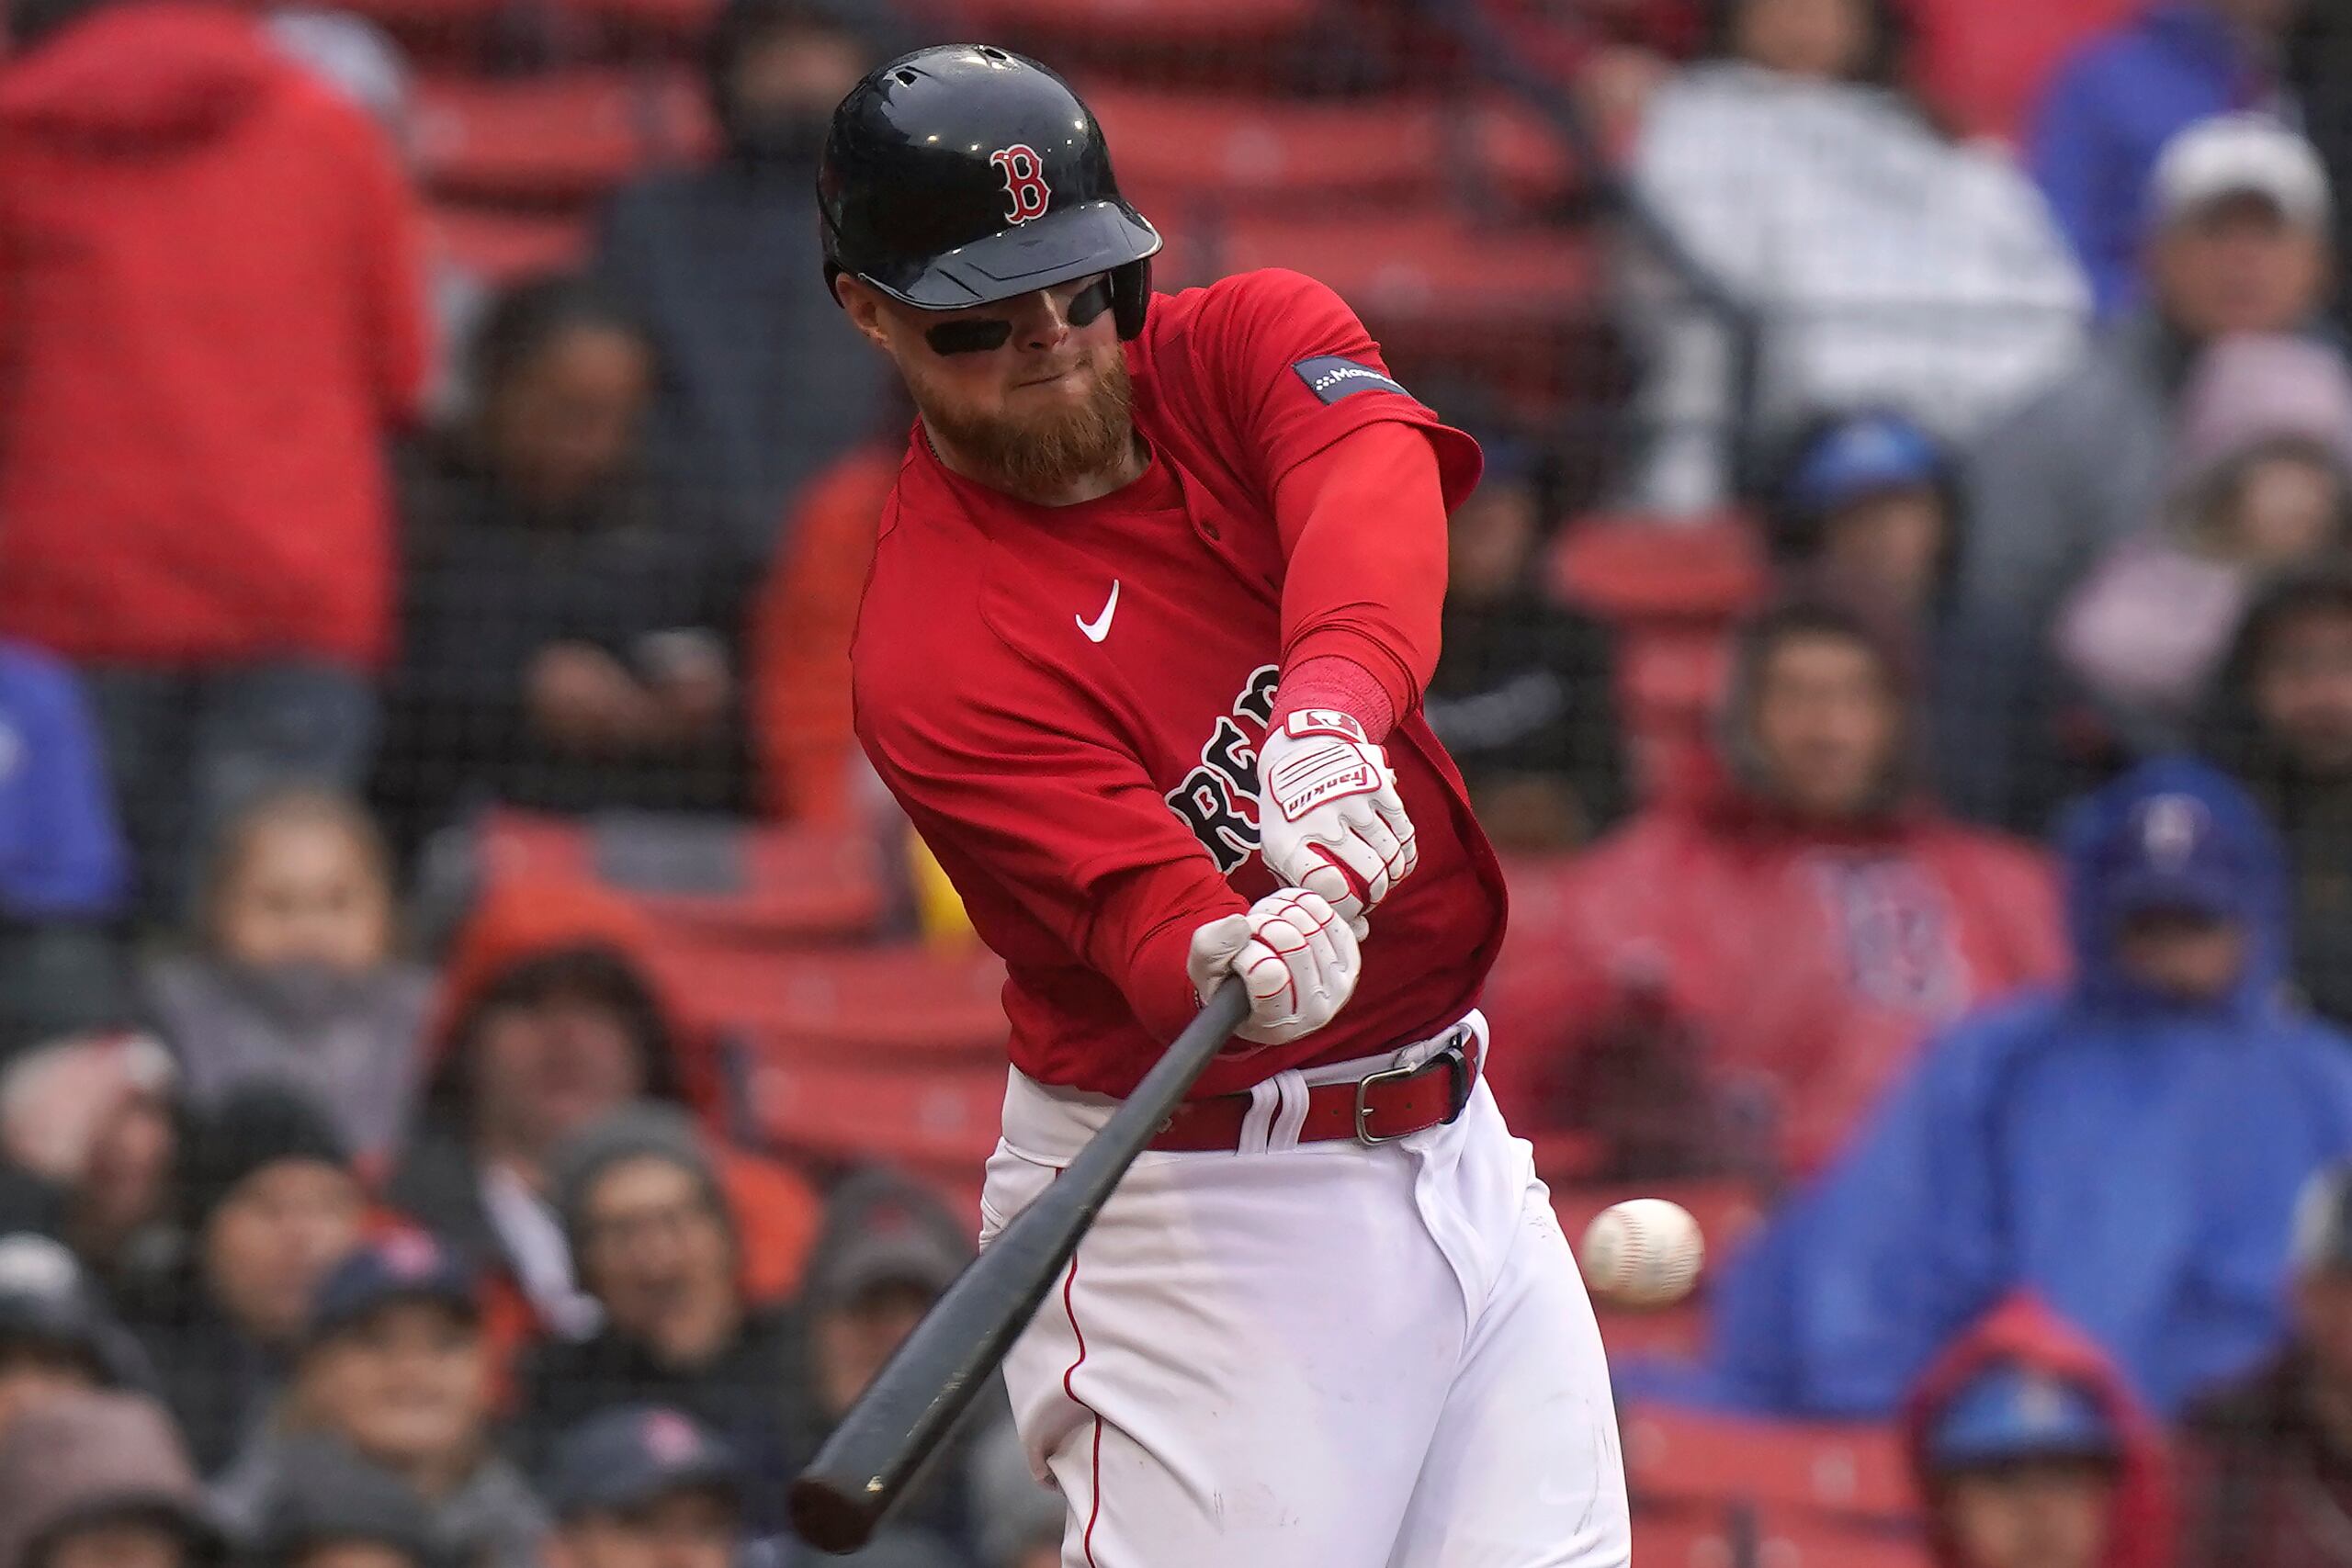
(2109, 111)
(2129, 1148)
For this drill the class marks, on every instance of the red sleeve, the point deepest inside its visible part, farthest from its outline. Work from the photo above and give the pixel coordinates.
(1360, 475)
(1364, 528)
(389, 260)
(1030, 817)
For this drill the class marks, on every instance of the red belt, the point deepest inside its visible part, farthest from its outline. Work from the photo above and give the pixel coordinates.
(1378, 1108)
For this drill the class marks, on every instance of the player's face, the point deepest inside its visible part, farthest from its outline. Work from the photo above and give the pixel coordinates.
(2302, 690)
(1029, 393)
(1825, 724)
(2039, 1515)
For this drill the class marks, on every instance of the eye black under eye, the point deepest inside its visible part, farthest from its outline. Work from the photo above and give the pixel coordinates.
(979, 335)
(1090, 302)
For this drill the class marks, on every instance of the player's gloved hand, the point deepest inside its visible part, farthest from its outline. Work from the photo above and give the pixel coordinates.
(1298, 958)
(1328, 817)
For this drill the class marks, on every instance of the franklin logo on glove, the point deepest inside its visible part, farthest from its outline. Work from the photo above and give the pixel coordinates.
(1330, 818)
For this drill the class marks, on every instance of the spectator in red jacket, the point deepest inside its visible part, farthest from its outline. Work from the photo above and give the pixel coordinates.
(553, 1019)
(209, 316)
(2030, 1453)
(1766, 956)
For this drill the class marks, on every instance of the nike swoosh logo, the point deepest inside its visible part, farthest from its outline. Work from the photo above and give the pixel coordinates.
(1099, 626)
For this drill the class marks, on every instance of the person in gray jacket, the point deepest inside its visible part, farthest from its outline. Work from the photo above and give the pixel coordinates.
(2238, 212)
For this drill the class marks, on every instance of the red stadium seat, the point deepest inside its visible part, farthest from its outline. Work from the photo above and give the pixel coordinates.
(557, 139)
(1429, 269)
(1638, 568)
(932, 1120)
(1137, 24)
(706, 880)
(1694, 1459)
(855, 1002)
(502, 247)
(672, 22)
(1711, 1540)
(1987, 65)
(1176, 149)
(431, 26)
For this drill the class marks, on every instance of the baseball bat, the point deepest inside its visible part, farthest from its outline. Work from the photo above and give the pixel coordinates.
(912, 1402)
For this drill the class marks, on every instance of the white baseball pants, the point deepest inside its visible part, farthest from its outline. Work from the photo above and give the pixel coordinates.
(1321, 1355)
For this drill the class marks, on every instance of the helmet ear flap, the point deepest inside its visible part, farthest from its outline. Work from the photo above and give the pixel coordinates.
(1130, 297)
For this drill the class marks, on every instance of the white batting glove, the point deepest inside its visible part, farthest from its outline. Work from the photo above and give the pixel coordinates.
(1328, 816)
(1298, 958)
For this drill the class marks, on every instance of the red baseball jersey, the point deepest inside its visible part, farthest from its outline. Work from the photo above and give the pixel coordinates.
(1067, 700)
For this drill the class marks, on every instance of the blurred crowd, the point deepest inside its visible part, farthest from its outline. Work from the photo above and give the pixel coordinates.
(1993, 929)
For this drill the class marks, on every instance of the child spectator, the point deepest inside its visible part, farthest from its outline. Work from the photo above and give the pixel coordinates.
(645, 1487)
(1773, 163)
(2126, 1147)
(2237, 242)
(657, 1249)
(560, 646)
(100, 1480)
(1742, 973)
(224, 581)
(57, 1334)
(551, 1020)
(2106, 115)
(2030, 1452)
(330, 1509)
(295, 978)
(2262, 479)
(270, 1204)
(1870, 504)
(1525, 696)
(92, 1128)
(394, 1369)
(2270, 1455)
(2280, 719)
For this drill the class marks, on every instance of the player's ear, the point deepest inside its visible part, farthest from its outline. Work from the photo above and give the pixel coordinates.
(864, 304)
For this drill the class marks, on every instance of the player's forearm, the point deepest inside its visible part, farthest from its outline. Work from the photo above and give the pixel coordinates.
(1363, 527)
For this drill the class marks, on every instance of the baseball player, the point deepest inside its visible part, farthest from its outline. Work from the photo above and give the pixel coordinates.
(1142, 655)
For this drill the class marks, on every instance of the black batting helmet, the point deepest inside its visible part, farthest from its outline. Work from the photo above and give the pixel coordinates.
(965, 174)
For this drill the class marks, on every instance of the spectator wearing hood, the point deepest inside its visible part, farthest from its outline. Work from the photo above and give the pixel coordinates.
(762, 381)
(1525, 696)
(2261, 480)
(100, 1480)
(270, 1203)
(1740, 974)
(2030, 1452)
(1771, 162)
(2106, 114)
(90, 1128)
(2280, 719)
(657, 1249)
(330, 1509)
(2236, 242)
(560, 646)
(2127, 1146)
(395, 1370)
(2269, 1456)
(204, 246)
(293, 975)
(551, 1020)
(58, 1336)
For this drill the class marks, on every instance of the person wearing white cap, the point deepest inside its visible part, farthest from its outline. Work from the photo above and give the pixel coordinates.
(2109, 111)
(2235, 240)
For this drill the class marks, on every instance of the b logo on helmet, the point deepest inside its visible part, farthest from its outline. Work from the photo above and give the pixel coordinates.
(1025, 190)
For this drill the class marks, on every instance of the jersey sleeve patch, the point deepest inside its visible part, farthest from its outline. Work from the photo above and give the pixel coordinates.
(1331, 376)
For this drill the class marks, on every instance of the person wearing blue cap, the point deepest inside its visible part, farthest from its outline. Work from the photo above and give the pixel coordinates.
(393, 1370)
(2027, 1453)
(2127, 1146)
(1870, 500)
(644, 1487)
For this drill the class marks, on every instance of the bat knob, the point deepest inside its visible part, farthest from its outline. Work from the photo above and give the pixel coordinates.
(828, 1517)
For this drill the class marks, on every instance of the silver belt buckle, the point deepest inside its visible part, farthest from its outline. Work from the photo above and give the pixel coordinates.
(1456, 1058)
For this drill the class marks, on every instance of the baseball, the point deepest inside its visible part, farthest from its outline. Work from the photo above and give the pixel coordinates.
(1644, 1252)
